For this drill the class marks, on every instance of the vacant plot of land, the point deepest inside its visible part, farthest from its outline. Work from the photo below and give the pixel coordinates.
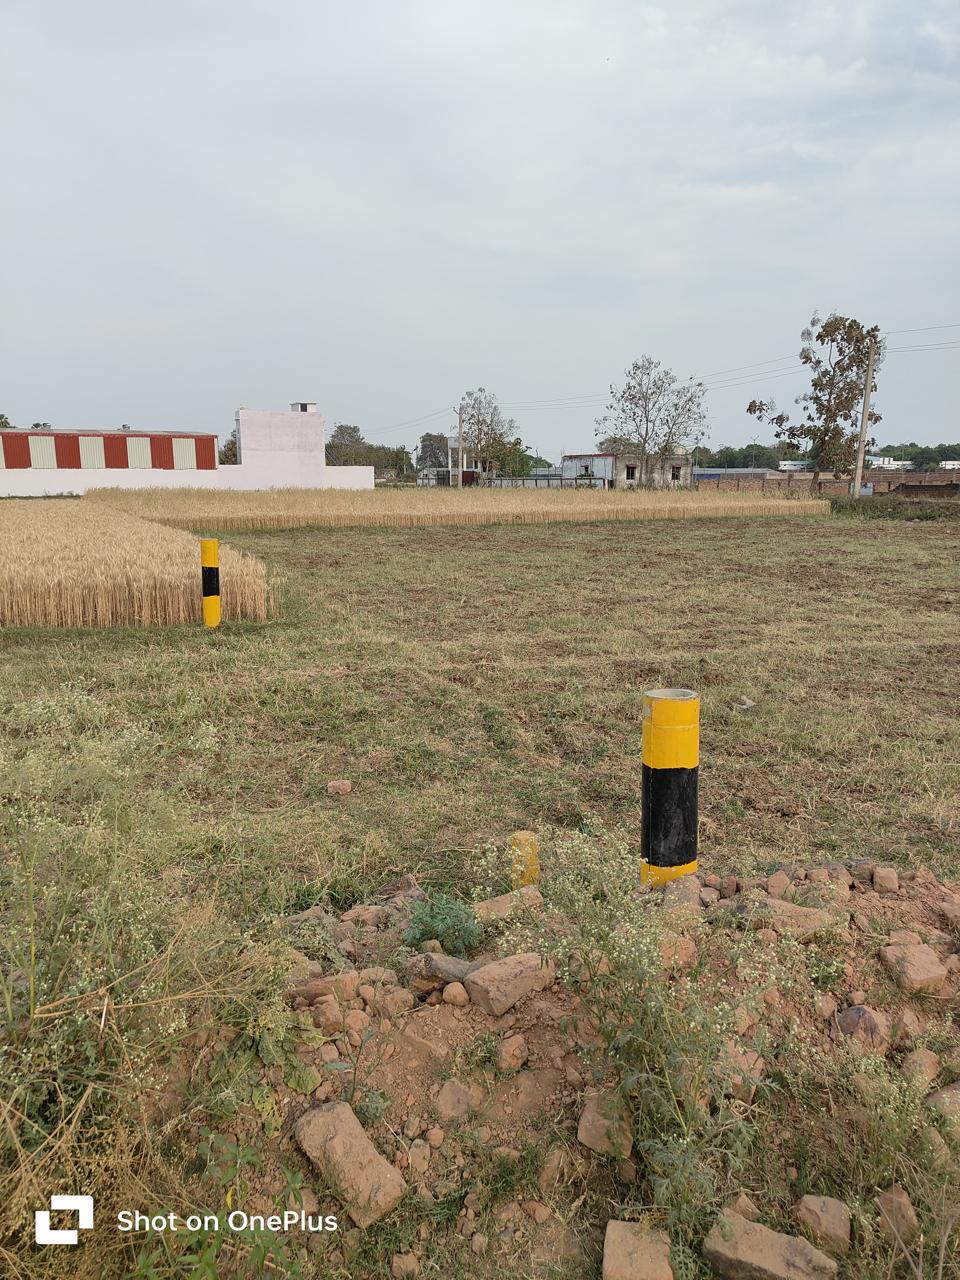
(164, 795)
(66, 564)
(408, 507)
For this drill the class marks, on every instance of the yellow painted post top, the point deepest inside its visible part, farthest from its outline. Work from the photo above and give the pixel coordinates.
(209, 553)
(524, 858)
(671, 729)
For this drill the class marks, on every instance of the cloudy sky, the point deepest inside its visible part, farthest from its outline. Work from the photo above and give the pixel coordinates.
(378, 206)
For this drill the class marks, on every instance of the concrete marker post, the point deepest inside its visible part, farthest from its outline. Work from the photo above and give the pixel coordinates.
(670, 769)
(210, 580)
(524, 858)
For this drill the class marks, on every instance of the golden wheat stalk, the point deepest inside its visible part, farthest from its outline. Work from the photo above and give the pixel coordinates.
(409, 508)
(66, 564)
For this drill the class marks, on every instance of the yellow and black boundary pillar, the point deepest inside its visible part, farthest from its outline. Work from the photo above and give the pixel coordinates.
(210, 580)
(671, 759)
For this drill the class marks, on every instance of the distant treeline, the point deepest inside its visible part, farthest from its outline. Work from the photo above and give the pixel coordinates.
(925, 457)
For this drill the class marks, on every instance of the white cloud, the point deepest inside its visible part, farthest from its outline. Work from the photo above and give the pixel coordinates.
(381, 205)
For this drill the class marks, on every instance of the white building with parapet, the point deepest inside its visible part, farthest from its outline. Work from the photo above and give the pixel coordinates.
(275, 450)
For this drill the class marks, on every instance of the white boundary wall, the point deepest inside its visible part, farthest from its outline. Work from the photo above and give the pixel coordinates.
(283, 450)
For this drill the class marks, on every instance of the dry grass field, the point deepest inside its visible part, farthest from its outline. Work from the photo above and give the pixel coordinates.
(411, 507)
(66, 564)
(164, 805)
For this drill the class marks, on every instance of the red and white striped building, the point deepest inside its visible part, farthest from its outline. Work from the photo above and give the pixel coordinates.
(107, 450)
(277, 449)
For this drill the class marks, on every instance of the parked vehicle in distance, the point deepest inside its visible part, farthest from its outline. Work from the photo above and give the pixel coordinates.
(791, 466)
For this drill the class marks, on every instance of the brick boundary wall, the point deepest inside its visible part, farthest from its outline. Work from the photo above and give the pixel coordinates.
(798, 482)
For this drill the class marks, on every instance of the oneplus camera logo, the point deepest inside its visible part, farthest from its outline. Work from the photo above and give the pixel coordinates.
(82, 1205)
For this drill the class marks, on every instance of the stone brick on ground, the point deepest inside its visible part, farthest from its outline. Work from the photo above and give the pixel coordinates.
(866, 1027)
(455, 1100)
(604, 1124)
(334, 1141)
(512, 1053)
(496, 987)
(914, 967)
(897, 1215)
(529, 898)
(635, 1252)
(742, 1204)
(921, 1068)
(946, 1102)
(738, 1250)
(886, 880)
(802, 923)
(827, 1221)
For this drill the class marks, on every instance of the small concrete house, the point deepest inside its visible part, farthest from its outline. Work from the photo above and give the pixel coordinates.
(675, 471)
(622, 470)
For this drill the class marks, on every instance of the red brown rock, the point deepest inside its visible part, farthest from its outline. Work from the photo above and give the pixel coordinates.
(512, 1053)
(529, 898)
(605, 1125)
(897, 1215)
(634, 1252)
(921, 1068)
(334, 1141)
(676, 951)
(915, 968)
(496, 987)
(886, 880)
(827, 1220)
(946, 1101)
(742, 1250)
(866, 1027)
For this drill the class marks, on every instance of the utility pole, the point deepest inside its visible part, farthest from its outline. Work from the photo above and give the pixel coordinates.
(460, 448)
(864, 421)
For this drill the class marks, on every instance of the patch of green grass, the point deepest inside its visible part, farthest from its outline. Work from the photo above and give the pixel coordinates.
(448, 920)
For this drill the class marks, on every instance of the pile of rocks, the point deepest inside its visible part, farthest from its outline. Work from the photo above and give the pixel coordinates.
(860, 899)
(845, 904)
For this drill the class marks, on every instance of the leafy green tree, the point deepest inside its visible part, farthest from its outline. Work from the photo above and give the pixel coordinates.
(5, 423)
(346, 446)
(432, 451)
(511, 458)
(228, 455)
(836, 351)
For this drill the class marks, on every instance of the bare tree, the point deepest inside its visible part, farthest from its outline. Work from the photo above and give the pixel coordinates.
(653, 414)
(486, 432)
(836, 351)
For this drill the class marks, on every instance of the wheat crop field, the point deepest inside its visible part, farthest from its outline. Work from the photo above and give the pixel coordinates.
(409, 507)
(65, 563)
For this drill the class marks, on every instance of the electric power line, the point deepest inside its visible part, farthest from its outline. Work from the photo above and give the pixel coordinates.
(929, 346)
(924, 329)
(589, 401)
